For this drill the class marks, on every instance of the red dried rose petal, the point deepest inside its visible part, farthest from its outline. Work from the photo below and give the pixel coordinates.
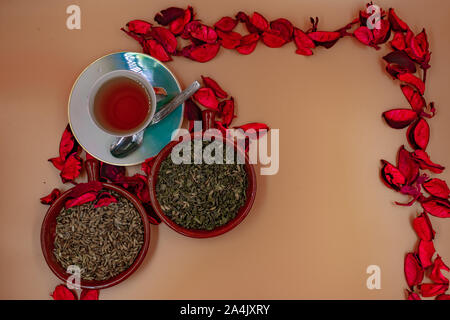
(432, 289)
(137, 185)
(437, 187)
(418, 48)
(226, 108)
(436, 274)
(413, 80)
(425, 163)
(84, 198)
(156, 50)
(72, 168)
(82, 188)
(61, 292)
(248, 43)
(168, 15)
(50, 198)
(207, 98)
(203, 33)
(177, 26)
(303, 42)
(426, 251)
(443, 297)
(413, 296)
(243, 17)
(394, 70)
(68, 144)
(146, 166)
(58, 163)
(364, 35)
(284, 27)
(398, 42)
(423, 228)
(165, 38)
(437, 208)
(401, 59)
(407, 166)
(104, 199)
(272, 39)
(201, 53)
(139, 26)
(212, 84)
(325, 39)
(416, 101)
(419, 134)
(399, 118)
(229, 40)
(89, 294)
(413, 270)
(259, 22)
(397, 24)
(382, 34)
(226, 24)
(111, 172)
(392, 176)
(192, 110)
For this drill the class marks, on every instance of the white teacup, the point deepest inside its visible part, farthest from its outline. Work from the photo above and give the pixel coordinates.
(141, 80)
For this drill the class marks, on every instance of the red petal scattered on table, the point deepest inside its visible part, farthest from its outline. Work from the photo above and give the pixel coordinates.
(201, 53)
(416, 101)
(272, 39)
(58, 163)
(432, 289)
(259, 22)
(226, 108)
(401, 59)
(165, 38)
(168, 15)
(146, 166)
(399, 118)
(203, 33)
(413, 270)
(61, 292)
(68, 144)
(156, 50)
(218, 91)
(426, 251)
(248, 43)
(438, 208)
(229, 40)
(437, 187)
(284, 27)
(443, 297)
(398, 42)
(72, 168)
(303, 42)
(425, 163)
(436, 274)
(364, 35)
(192, 110)
(394, 70)
(139, 26)
(207, 98)
(397, 24)
(82, 188)
(84, 198)
(88, 294)
(392, 176)
(111, 172)
(50, 198)
(226, 24)
(413, 296)
(243, 17)
(104, 199)
(407, 166)
(382, 35)
(413, 80)
(177, 26)
(423, 228)
(419, 134)
(325, 39)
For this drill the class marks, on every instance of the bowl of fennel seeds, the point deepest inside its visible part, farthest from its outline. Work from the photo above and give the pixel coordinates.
(205, 199)
(107, 243)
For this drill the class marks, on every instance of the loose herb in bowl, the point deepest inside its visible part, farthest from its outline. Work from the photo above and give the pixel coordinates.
(102, 241)
(201, 196)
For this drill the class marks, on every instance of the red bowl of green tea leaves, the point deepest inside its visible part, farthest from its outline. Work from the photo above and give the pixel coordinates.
(202, 200)
(107, 241)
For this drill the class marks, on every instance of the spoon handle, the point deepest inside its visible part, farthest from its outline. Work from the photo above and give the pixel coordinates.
(175, 102)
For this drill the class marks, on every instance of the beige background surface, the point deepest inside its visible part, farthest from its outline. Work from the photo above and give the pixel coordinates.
(315, 226)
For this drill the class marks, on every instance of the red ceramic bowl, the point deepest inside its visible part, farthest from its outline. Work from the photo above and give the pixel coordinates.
(208, 122)
(49, 226)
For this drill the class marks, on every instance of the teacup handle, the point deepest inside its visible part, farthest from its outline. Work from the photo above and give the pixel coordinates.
(93, 169)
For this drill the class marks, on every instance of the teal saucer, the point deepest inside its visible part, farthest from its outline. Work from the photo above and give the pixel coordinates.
(95, 141)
